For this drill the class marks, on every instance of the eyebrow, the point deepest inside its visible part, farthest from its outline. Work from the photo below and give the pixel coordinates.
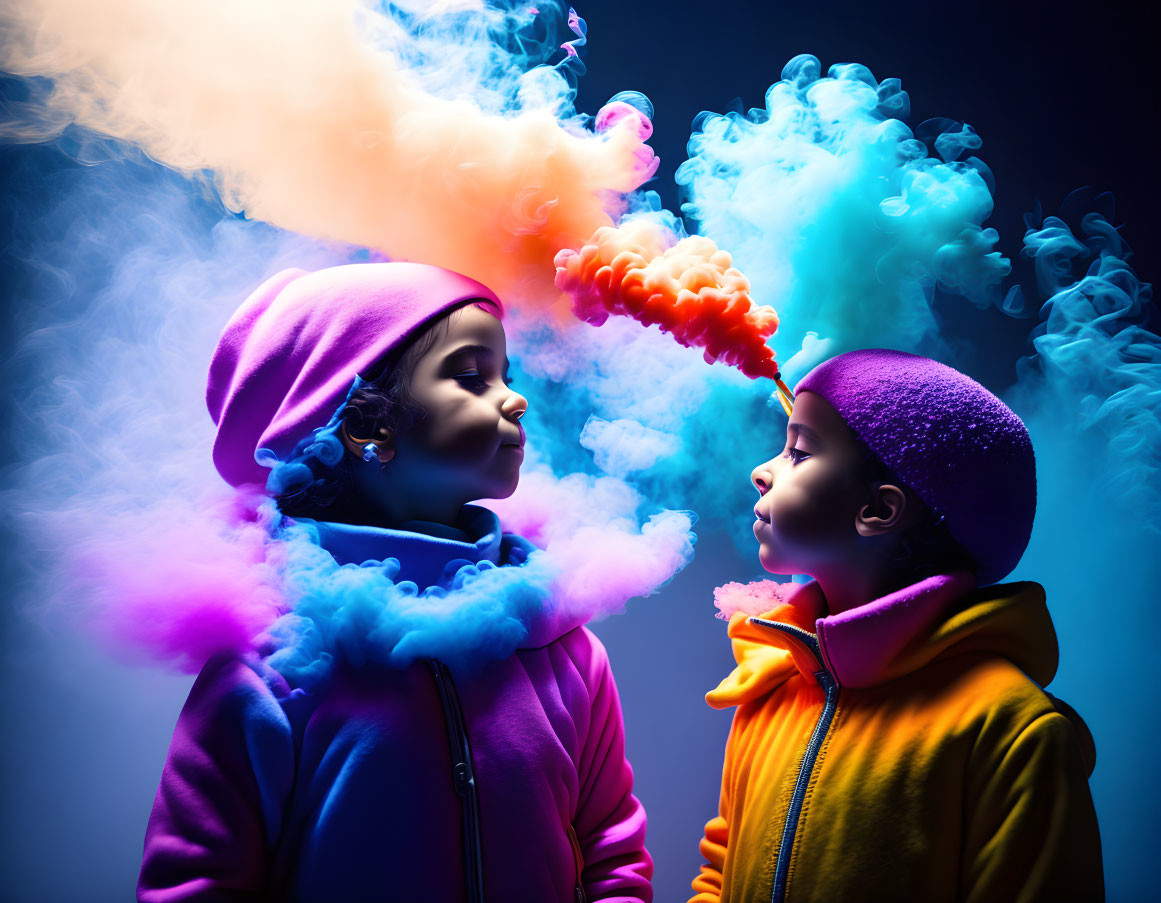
(482, 351)
(477, 349)
(805, 431)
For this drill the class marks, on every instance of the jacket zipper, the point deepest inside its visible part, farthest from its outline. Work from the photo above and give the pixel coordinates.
(463, 780)
(578, 858)
(809, 757)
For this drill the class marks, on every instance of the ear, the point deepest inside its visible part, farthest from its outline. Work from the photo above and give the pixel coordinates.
(384, 444)
(885, 511)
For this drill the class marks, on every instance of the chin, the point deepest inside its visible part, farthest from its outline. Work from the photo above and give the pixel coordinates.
(503, 493)
(771, 564)
(772, 567)
(502, 489)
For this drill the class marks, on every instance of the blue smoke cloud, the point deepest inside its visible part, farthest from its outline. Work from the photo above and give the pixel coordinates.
(503, 57)
(1091, 397)
(478, 613)
(1096, 358)
(645, 409)
(361, 614)
(838, 214)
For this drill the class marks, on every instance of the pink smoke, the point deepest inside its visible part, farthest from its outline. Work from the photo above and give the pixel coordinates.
(754, 598)
(178, 589)
(593, 539)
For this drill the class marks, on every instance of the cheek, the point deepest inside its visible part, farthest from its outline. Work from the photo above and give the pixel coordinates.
(454, 434)
(812, 513)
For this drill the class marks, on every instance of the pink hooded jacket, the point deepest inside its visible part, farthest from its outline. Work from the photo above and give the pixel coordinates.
(347, 793)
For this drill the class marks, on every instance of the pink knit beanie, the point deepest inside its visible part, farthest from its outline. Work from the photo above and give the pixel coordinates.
(963, 451)
(289, 355)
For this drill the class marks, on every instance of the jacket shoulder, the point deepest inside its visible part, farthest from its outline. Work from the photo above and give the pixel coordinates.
(587, 653)
(240, 692)
(1002, 703)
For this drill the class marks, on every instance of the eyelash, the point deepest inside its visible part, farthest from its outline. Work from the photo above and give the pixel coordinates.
(796, 455)
(471, 378)
(474, 379)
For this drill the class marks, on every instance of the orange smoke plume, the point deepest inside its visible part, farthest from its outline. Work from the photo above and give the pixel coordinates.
(309, 118)
(688, 288)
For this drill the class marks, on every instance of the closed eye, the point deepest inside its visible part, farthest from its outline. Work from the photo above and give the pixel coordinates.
(471, 379)
(796, 455)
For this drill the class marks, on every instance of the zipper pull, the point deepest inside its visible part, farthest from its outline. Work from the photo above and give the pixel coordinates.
(462, 778)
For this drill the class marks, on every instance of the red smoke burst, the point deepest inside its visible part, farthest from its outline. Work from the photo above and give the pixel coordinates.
(689, 289)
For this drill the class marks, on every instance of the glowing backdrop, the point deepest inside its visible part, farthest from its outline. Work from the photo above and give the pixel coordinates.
(163, 160)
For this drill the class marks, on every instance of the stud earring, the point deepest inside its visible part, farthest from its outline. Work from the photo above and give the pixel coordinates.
(370, 451)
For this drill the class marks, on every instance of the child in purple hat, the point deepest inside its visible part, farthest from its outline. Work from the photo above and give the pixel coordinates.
(892, 739)
(420, 725)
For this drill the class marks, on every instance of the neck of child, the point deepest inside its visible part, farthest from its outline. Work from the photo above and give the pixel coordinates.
(849, 588)
(403, 503)
(398, 501)
(400, 513)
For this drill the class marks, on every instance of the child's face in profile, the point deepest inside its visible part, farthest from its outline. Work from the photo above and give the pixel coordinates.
(811, 494)
(470, 444)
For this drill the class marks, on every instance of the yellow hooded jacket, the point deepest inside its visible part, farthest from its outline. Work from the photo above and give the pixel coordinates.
(901, 751)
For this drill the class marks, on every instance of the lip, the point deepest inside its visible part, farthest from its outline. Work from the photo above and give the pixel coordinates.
(518, 442)
(758, 516)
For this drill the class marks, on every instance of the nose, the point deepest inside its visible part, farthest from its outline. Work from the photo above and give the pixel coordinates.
(514, 406)
(761, 478)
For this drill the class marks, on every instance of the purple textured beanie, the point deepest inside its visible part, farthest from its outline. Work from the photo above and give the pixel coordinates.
(963, 451)
(290, 354)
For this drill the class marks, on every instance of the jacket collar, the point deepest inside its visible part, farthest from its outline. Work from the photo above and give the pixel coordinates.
(425, 551)
(881, 640)
(888, 637)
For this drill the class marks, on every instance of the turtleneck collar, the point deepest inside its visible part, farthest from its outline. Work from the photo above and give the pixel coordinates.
(427, 552)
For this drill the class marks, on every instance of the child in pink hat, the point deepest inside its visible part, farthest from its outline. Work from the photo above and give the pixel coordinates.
(892, 740)
(420, 726)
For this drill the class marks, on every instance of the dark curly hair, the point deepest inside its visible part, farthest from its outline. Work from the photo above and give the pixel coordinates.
(316, 481)
(926, 548)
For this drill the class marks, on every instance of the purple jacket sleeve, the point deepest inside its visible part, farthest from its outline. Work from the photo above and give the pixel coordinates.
(218, 810)
(610, 821)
